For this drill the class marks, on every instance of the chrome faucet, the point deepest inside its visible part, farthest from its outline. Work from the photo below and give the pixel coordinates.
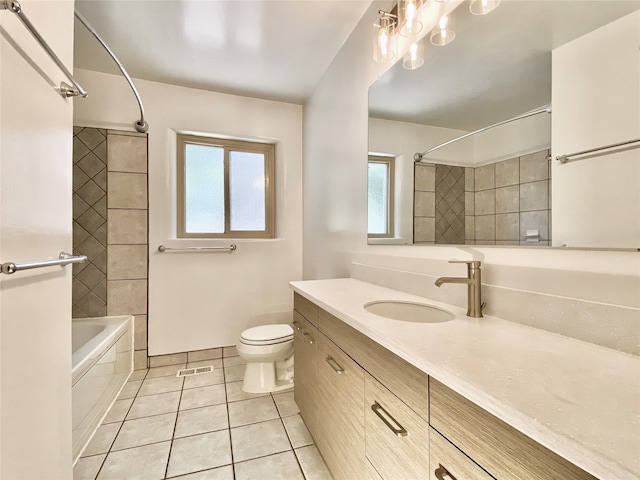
(473, 281)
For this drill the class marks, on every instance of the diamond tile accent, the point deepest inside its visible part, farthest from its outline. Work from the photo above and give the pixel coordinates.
(450, 199)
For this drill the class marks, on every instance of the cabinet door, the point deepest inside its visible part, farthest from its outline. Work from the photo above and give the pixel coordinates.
(449, 463)
(305, 349)
(396, 438)
(341, 413)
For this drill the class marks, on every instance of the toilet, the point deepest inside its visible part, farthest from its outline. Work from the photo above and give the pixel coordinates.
(268, 351)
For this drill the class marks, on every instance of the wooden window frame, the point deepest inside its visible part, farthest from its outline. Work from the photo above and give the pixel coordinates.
(268, 149)
(390, 161)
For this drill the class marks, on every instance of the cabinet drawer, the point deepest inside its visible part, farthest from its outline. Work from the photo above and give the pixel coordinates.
(341, 416)
(403, 379)
(396, 438)
(445, 457)
(500, 449)
(306, 308)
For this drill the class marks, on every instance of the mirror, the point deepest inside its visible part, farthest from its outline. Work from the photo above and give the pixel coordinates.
(503, 186)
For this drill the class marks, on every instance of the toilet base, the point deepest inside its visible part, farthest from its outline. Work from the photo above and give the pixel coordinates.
(267, 377)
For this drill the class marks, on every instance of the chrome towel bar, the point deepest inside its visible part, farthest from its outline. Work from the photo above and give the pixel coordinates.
(64, 90)
(566, 158)
(229, 249)
(63, 259)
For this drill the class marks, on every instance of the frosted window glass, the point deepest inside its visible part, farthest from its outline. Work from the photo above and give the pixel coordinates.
(247, 191)
(204, 189)
(378, 198)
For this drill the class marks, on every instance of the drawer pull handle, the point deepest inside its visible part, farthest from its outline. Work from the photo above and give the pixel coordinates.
(333, 364)
(297, 326)
(399, 431)
(309, 338)
(442, 472)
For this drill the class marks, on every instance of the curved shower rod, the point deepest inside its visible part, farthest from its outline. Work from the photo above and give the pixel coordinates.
(418, 156)
(141, 126)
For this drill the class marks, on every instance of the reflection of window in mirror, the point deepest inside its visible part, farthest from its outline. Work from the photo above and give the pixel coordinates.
(380, 196)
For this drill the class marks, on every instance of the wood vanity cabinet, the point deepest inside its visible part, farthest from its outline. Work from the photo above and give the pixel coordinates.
(374, 416)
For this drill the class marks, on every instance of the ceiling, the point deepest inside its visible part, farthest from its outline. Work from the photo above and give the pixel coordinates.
(271, 49)
(497, 67)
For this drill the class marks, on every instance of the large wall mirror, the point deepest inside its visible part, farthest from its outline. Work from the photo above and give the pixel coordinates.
(504, 186)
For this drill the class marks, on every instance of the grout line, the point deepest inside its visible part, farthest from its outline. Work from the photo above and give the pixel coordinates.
(173, 434)
(226, 399)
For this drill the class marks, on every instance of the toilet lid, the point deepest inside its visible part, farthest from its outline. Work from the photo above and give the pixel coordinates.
(268, 333)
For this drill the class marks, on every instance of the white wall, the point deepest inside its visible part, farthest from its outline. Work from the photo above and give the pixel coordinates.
(35, 224)
(596, 100)
(205, 300)
(335, 211)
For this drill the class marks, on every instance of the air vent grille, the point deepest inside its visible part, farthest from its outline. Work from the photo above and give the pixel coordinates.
(187, 372)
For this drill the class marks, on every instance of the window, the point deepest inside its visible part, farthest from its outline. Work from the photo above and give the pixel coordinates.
(225, 188)
(380, 197)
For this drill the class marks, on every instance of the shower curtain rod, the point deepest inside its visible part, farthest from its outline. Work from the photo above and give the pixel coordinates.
(418, 156)
(141, 126)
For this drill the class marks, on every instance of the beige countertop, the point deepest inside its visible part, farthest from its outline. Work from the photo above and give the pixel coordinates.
(577, 399)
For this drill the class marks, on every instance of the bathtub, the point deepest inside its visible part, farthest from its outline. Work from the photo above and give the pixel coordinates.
(102, 361)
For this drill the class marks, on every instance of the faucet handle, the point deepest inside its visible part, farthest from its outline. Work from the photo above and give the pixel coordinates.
(474, 263)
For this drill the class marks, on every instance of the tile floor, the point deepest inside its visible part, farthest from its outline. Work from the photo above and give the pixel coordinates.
(200, 427)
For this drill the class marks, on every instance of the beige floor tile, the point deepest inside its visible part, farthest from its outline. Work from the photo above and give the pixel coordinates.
(273, 467)
(258, 440)
(130, 389)
(233, 361)
(153, 386)
(298, 433)
(141, 463)
(144, 431)
(203, 397)
(102, 439)
(154, 405)
(234, 374)
(312, 464)
(205, 379)
(235, 393)
(168, 371)
(87, 468)
(199, 452)
(118, 411)
(138, 375)
(201, 420)
(220, 473)
(250, 411)
(229, 351)
(217, 363)
(286, 404)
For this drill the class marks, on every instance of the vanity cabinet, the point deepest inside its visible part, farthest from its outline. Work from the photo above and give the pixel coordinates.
(374, 416)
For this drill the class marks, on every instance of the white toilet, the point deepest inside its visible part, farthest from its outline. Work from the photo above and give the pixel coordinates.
(268, 351)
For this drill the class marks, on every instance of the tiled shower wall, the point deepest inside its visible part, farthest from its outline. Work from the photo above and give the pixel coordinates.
(502, 202)
(110, 211)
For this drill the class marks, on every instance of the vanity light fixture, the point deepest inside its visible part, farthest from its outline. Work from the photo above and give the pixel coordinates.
(408, 17)
(444, 32)
(383, 39)
(414, 58)
(482, 7)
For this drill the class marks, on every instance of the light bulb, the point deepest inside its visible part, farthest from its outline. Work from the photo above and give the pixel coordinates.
(408, 17)
(443, 33)
(414, 58)
(383, 50)
(482, 7)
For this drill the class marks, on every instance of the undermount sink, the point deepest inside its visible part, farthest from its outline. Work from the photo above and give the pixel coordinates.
(409, 311)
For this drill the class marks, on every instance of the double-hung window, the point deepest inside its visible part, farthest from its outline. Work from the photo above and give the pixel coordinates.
(380, 196)
(225, 188)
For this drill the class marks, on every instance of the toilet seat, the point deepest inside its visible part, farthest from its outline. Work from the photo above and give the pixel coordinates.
(267, 335)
